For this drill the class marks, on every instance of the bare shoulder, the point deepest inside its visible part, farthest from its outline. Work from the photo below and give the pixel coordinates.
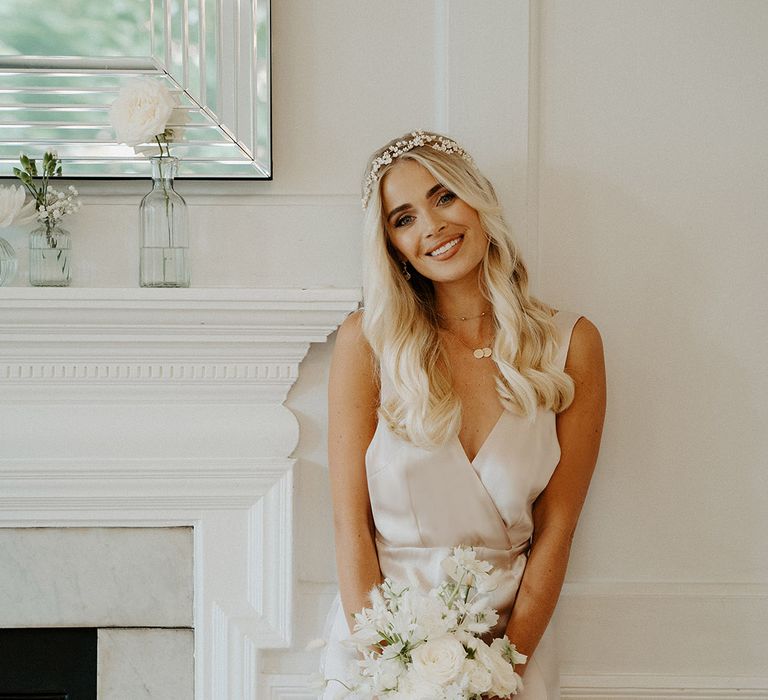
(579, 431)
(585, 353)
(353, 368)
(351, 328)
(352, 344)
(353, 400)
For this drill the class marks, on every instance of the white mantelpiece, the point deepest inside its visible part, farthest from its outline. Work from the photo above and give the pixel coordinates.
(154, 408)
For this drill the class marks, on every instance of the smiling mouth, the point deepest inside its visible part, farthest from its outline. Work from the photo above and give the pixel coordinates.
(449, 245)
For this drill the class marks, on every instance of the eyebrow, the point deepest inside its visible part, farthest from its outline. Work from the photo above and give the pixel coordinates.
(407, 205)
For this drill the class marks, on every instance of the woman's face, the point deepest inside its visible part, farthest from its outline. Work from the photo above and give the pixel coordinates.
(436, 232)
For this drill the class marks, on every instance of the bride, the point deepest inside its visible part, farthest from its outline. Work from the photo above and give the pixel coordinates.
(462, 409)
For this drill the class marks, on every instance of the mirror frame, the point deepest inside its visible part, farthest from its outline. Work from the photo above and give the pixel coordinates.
(224, 118)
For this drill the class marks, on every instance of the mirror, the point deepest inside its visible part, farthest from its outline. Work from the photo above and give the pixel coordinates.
(62, 65)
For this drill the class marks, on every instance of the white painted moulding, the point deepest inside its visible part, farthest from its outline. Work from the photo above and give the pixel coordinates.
(641, 687)
(178, 344)
(712, 631)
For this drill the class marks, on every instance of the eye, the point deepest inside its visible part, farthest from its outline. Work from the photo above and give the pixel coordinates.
(446, 198)
(403, 220)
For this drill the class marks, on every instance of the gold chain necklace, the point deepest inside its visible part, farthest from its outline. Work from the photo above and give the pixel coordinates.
(479, 353)
(461, 318)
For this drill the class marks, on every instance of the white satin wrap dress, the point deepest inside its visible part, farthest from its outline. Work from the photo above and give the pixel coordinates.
(426, 502)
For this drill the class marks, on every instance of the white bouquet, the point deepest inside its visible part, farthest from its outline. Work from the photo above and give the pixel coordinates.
(428, 645)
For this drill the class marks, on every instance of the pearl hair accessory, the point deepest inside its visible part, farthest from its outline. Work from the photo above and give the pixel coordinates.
(419, 138)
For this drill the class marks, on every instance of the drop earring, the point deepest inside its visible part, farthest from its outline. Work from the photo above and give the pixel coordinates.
(406, 274)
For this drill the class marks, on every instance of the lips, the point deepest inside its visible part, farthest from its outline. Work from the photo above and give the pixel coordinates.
(445, 247)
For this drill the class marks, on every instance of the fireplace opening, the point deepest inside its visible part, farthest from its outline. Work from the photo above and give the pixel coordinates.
(48, 664)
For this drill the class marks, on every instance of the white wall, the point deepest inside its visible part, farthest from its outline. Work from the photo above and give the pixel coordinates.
(653, 165)
(638, 192)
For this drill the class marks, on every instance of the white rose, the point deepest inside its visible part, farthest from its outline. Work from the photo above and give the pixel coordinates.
(504, 680)
(478, 677)
(11, 203)
(439, 660)
(141, 111)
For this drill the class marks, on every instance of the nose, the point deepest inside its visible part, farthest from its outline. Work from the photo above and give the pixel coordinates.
(434, 223)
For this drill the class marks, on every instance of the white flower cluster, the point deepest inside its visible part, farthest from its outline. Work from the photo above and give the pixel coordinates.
(58, 205)
(428, 646)
(418, 138)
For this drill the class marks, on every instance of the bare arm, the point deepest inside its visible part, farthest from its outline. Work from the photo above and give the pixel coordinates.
(353, 398)
(557, 509)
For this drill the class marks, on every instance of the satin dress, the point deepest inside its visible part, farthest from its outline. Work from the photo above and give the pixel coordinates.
(425, 502)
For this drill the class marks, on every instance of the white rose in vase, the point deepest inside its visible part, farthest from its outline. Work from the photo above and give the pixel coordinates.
(141, 111)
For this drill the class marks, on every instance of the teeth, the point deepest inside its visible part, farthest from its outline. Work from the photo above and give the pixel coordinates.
(443, 248)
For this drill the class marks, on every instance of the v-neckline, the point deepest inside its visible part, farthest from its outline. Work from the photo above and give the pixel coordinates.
(480, 449)
(472, 462)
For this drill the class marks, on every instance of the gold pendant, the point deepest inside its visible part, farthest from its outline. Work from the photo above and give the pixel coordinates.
(480, 353)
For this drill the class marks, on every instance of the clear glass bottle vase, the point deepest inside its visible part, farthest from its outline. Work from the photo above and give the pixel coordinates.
(50, 249)
(164, 256)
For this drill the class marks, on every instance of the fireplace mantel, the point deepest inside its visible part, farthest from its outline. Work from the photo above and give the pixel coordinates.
(176, 341)
(149, 407)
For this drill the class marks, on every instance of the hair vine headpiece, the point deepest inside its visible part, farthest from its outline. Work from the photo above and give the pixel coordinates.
(418, 138)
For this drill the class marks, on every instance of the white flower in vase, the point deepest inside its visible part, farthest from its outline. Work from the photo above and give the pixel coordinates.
(49, 243)
(141, 111)
(47, 205)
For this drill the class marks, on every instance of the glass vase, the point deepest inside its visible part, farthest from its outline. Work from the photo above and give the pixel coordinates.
(50, 249)
(164, 256)
(9, 263)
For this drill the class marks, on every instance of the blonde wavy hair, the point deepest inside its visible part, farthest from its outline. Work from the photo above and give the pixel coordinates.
(401, 324)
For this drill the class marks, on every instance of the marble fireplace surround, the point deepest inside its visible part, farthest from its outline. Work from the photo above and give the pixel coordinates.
(164, 408)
